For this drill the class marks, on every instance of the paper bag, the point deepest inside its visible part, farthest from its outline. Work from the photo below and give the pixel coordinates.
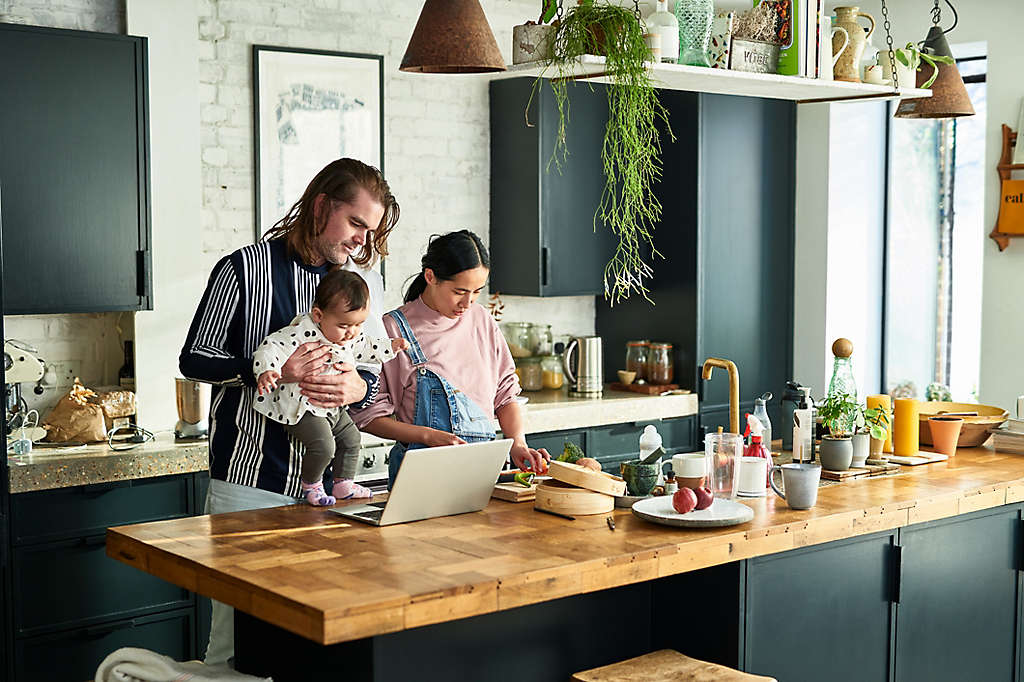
(74, 418)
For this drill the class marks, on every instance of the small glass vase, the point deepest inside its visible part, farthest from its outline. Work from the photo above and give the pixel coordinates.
(694, 18)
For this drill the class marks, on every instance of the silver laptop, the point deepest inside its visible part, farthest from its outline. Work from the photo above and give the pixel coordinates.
(432, 482)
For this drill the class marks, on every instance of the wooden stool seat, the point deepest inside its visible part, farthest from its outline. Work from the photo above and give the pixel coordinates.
(666, 665)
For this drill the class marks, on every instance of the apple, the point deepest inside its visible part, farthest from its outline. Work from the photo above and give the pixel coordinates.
(704, 497)
(684, 500)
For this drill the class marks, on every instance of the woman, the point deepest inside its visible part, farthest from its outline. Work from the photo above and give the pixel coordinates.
(458, 373)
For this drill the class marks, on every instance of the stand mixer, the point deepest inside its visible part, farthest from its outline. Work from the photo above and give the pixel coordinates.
(193, 400)
(22, 364)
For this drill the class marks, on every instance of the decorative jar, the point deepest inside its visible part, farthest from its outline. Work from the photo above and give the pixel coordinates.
(660, 368)
(694, 17)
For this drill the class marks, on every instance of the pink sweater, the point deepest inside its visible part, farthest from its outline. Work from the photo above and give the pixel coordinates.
(469, 352)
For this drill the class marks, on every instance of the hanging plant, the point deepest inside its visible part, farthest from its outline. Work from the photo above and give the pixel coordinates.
(631, 152)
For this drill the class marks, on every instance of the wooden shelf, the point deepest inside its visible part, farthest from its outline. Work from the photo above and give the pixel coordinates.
(725, 82)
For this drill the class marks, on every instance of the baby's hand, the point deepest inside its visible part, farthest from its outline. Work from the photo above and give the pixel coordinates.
(399, 344)
(267, 381)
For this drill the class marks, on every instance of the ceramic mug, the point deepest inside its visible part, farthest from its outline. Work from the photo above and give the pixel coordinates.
(690, 469)
(799, 484)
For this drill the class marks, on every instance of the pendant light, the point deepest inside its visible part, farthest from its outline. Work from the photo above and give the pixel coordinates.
(452, 36)
(949, 96)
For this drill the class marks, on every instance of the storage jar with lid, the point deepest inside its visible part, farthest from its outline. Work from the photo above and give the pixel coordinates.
(517, 334)
(551, 371)
(530, 376)
(660, 369)
(540, 339)
(636, 359)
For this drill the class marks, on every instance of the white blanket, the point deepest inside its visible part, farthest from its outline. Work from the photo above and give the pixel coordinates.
(141, 665)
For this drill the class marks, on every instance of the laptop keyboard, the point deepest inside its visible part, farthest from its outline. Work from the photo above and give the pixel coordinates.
(373, 514)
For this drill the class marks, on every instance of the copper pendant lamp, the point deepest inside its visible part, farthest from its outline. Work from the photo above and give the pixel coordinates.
(452, 36)
(949, 96)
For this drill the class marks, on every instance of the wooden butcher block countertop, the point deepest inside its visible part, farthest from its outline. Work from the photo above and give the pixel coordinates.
(313, 573)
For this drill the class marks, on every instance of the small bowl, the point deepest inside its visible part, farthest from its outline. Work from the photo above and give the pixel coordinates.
(626, 377)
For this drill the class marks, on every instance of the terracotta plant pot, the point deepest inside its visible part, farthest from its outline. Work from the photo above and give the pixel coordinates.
(875, 451)
(945, 433)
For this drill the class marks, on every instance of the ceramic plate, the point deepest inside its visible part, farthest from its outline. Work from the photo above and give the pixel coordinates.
(720, 513)
(627, 501)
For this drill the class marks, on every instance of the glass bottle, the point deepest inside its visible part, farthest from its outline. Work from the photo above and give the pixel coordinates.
(636, 359)
(842, 370)
(530, 376)
(665, 24)
(126, 375)
(694, 17)
(551, 372)
(660, 368)
(517, 334)
(761, 412)
(540, 339)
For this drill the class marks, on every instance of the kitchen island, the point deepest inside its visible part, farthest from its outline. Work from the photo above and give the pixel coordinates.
(508, 593)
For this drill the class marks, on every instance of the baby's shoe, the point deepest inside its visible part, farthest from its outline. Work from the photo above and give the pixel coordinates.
(347, 489)
(316, 495)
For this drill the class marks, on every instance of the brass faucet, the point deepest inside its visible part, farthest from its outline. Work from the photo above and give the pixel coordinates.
(734, 388)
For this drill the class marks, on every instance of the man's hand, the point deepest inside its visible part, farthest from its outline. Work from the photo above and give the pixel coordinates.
(267, 382)
(434, 438)
(309, 359)
(334, 390)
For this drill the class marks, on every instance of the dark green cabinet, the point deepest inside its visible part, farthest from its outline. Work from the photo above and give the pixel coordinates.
(822, 613)
(620, 442)
(74, 171)
(958, 601)
(543, 238)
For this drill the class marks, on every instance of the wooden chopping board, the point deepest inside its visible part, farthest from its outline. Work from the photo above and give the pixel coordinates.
(582, 477)
(513, 492)
(860, 472)
(646, 389)
(921, 457)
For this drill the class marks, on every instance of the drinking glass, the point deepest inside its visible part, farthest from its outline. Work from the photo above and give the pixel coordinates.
(723, 452)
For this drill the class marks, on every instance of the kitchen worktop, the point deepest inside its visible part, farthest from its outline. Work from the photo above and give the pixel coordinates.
(49, 468)
(312, 573)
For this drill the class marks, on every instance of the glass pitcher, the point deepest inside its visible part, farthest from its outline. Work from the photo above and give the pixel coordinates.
(723, 452)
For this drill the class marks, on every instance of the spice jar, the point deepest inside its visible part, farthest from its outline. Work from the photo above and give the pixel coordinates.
(540, 339)
(551, 371)
(660, 368)
(636, 359)
(530, 377)
(517, 335)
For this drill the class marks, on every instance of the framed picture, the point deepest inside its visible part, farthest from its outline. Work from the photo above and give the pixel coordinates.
(311, 107)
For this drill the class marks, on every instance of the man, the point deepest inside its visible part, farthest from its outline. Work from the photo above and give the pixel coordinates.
(343, 219)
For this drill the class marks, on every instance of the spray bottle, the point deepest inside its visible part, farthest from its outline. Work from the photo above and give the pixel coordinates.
(756, 447)
(803, 428)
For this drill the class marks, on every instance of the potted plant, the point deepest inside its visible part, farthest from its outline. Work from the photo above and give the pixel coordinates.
(532, 41)
(631, 151)
(911, 59)
(839, 413)
(876, 420)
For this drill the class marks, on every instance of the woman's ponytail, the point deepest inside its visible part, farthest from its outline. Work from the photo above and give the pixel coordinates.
(418, 286)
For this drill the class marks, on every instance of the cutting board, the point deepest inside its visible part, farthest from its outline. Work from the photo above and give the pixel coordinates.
(646, 389)
(513, 492)
(860, 472)
(921, 457)
(582, 477)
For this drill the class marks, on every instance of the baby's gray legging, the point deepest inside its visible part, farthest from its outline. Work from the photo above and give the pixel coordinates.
(333, 439)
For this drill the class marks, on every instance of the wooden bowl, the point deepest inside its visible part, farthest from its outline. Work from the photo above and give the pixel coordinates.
(975, 429)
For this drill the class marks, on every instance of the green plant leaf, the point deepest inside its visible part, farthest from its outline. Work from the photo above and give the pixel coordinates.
(548, 8)
(902, 58)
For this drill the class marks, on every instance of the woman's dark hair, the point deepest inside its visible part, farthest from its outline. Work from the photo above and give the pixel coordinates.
(447, 255)
(339, 181)
(341, 284)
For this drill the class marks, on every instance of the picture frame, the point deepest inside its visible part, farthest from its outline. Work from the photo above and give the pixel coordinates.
(310, 107)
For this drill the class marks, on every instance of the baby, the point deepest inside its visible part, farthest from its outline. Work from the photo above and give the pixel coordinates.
(339, 310)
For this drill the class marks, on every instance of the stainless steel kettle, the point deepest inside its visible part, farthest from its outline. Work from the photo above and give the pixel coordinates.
(586, 375)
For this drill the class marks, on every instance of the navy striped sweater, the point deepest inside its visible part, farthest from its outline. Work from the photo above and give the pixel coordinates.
(252, 292)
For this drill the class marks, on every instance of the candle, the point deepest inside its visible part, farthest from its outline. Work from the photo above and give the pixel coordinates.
(905, 427)
(885, 402)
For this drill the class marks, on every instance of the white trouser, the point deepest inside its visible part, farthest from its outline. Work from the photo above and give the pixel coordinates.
(223, 497)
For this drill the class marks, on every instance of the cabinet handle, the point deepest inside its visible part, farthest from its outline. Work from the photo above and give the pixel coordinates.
(142, 268)
(544, 266)
(98, 489)
(897, 573)
(93, 541)
(103, 630)
(1020, 546)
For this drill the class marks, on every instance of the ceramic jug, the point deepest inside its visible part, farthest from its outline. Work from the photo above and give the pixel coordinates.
(847, 68)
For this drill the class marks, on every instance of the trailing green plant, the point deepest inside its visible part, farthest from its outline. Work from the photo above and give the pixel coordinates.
(912, 56)
(839, 413)
(631, 151)
(877, 421)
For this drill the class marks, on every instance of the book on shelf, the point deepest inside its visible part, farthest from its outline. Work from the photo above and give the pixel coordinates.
(1004, 440)
(798, 32)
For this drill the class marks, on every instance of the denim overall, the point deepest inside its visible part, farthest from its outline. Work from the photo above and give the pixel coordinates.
(439, 405)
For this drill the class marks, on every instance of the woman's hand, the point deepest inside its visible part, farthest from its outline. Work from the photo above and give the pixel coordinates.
(334, 390)
(528, 459)
(309, 359)
(434, 438)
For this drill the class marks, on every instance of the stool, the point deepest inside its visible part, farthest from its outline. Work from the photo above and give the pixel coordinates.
(665, 665)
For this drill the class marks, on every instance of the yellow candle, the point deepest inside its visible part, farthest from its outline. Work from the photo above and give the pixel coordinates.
(905, 427)
(885, 402)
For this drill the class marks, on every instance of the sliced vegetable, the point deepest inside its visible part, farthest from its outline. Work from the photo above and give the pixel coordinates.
(524, 478)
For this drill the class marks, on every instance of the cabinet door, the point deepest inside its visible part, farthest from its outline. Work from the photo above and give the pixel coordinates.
(620, 442)
(73, 171)
(554, 441)
(957, 611)
(822, 613)
(543, 237)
